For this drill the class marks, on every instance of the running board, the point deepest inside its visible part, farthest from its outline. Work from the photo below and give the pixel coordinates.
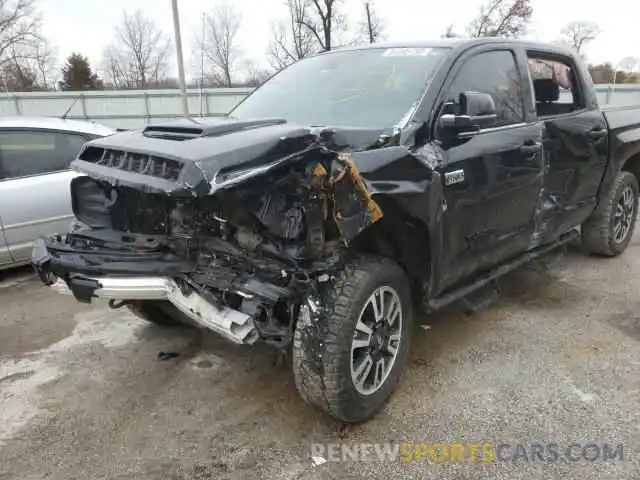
(482, 298)
(459, 293)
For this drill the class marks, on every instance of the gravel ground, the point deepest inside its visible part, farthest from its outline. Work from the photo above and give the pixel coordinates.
(83, 394)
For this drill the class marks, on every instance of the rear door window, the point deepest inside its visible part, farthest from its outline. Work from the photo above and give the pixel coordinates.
(31, 152)
(555, 85)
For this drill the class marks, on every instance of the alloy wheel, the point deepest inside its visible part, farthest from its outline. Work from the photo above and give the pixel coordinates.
(376, 340)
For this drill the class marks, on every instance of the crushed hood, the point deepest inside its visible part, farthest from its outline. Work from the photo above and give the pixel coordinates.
(186, 157)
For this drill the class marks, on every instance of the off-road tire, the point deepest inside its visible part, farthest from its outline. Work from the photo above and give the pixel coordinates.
(160, 313)
(598, 230)
(321, 356)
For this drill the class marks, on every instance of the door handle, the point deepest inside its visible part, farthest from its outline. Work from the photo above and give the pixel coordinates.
(529, 148)
(597, 133)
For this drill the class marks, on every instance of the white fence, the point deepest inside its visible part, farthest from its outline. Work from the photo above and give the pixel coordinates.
(135, 108)
(121, 108)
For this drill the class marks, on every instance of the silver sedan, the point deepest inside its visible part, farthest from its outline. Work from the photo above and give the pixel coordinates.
(35, 154)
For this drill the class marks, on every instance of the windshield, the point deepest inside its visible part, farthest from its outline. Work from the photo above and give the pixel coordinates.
(370, 88)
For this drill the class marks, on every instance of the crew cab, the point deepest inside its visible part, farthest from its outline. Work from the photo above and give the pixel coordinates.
(349, 191)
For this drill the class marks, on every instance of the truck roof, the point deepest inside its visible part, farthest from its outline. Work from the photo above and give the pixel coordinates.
(54, 123)
(462, 43)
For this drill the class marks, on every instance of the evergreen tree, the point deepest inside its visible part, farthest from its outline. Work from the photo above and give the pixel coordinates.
(77, 75)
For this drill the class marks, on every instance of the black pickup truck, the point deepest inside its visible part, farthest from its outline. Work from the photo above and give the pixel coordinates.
(349, 191)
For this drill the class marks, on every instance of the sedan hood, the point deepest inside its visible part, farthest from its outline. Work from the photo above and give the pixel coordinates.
(197, 158)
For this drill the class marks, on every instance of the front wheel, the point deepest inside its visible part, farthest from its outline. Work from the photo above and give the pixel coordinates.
(609, 231)
(348, 354)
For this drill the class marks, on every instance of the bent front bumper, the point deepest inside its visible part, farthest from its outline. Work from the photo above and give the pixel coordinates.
(232, 324)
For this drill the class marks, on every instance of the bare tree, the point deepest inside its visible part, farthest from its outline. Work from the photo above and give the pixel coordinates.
(254, 74)
(115, 71)
(313, 25)
(502, 18)
(25, 56)
(137, 57)
(19, 28)
(29, 67)
(44, 63)
(578, 34)
(17, 74)
(219, 45)
(449, 32)
(291, 40)
(629, 64)
(372, 26)
(324, 22)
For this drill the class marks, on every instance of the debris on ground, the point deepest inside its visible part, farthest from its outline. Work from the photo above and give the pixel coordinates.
(317, 461)
(164, 356)
(345, 431)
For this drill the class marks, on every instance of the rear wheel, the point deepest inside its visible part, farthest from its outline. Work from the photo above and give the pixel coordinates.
(609, 231)
(347, 361)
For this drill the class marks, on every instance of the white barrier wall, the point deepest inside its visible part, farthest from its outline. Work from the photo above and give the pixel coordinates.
(121, 108)
(135, 108)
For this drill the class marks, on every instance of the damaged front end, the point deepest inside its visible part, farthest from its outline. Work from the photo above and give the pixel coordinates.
(239, 257)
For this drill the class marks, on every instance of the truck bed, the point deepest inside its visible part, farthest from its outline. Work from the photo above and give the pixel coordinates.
(625, 117)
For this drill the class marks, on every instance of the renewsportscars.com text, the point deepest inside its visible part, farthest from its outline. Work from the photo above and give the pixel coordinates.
(468, 452)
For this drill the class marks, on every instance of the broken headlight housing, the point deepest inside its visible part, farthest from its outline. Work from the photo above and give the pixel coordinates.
(91, 203)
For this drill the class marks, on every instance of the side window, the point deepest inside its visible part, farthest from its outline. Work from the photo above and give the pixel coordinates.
(25, 153)
(555, 85)
(68, 146)
(495, 73)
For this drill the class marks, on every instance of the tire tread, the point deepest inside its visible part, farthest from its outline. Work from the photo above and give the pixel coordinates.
(327, 388)
(597, 235)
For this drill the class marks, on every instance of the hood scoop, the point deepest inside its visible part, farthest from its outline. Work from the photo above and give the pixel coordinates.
(189, 129)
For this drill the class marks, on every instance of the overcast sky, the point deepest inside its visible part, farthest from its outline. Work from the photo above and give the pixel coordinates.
(86, 26)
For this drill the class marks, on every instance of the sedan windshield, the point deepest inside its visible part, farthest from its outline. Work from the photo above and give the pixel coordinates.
(369, 88)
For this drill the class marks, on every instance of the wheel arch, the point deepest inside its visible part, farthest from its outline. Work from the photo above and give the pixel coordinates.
(401, 238)
(632, 164)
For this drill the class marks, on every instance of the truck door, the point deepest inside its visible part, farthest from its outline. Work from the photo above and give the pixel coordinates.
(34, 193)
(492, 177)
(5, 256)
(575, 141)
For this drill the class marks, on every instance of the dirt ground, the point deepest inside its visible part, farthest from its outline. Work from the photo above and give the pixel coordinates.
(84, 395)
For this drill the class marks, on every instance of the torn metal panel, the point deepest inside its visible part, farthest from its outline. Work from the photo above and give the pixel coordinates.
(355, 207)
(198, 160)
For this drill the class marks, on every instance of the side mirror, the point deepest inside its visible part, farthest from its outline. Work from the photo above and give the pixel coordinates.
(475, 110)
(477, 105)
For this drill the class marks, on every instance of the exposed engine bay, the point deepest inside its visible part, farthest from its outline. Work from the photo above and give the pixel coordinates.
(260, 247)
